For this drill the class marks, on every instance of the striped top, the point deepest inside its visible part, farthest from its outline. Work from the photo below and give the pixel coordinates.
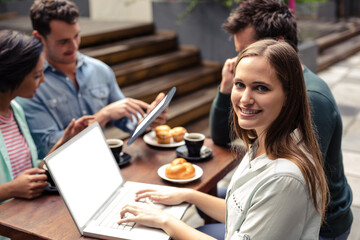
(18, 150)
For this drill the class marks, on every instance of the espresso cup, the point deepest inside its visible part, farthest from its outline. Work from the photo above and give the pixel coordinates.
(115, 146)
(194, 142)
(49, 178)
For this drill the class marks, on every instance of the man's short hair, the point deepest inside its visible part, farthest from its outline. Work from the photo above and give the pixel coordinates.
(270, 19)
(43, 11)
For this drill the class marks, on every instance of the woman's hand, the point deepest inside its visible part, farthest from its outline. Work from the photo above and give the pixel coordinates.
(169, 196)
(29, 184)
(145, 214)
(75, 127)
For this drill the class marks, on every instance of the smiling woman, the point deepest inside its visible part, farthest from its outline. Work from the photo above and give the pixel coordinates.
(281, 174)
(257, 94)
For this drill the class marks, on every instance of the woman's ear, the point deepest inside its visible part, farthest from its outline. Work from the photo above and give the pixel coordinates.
(37, 35)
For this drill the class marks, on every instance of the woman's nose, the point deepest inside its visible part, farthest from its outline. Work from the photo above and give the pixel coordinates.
(246, 97)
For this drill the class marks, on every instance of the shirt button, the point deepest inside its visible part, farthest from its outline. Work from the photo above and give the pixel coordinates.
(79, 95)
(67, 78)
(84, 111)
(53, 69)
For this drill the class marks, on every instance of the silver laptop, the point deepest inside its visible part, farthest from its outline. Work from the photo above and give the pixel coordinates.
(89, 180)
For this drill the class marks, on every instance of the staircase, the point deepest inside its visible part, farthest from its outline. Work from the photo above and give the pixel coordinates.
(147, 61)
(336, 40)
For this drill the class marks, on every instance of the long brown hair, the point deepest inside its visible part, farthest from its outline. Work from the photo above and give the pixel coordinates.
(281, 141)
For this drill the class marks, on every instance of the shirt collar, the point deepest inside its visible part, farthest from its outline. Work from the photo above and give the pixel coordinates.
(258, 162)
(80, 62)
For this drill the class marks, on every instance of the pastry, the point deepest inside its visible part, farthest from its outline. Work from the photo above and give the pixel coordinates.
(178, 133)
(180, 169)
(163, 137)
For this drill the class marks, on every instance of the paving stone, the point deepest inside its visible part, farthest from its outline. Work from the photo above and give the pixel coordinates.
(354, 74)
(353, 60)
(347, 122)
(354, 183)
(333, 74)
(351, 142)
(351, 162)
(355, 230)
(348, 111)
(347, 94)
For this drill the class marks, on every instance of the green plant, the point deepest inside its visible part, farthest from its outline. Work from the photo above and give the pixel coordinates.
(192, 4)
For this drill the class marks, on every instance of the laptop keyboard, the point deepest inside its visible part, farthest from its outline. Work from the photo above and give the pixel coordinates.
(111, 215)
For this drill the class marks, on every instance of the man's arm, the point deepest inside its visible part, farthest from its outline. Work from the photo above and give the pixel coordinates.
(221, 106)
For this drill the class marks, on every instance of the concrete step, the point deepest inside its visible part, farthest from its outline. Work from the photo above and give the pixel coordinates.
(191, 107)
(134, 71)
(125, 50)
(338, 52)
(100, 32)
(200, 125)
(186, 81)
(335, 38)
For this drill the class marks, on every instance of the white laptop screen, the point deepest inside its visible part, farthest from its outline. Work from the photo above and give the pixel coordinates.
(85, 173)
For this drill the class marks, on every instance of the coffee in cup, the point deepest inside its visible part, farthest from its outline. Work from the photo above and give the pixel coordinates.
(194, 142)
(115, 146)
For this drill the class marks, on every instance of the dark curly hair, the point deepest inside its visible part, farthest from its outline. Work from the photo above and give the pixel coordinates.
(43, 11)
(270, 19)
(19, 54)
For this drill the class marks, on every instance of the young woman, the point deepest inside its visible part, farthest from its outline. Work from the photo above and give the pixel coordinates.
(21, 65)
(279, 190)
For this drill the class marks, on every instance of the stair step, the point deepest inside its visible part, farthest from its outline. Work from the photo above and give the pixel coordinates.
(186, 80)
(112, 53)
(338, 52)
(139, 69)
(200, 125)
(191, 107)
(8, 15)
(332, 39)
(101, 32)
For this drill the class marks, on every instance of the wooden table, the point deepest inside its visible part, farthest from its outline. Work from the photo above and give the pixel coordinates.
(48, 218)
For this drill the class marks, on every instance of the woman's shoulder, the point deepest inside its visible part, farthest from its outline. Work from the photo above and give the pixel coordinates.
(285, 167)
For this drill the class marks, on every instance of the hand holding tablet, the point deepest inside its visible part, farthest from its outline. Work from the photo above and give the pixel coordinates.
(158, 109)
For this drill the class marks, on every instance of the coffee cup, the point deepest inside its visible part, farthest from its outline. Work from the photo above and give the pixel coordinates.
(115, 146)
(194, 142)
(49, 178)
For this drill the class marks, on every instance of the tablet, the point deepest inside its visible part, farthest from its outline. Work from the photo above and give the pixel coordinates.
(158, 109)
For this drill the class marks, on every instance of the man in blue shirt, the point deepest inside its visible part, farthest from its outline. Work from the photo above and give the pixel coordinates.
(76, 85)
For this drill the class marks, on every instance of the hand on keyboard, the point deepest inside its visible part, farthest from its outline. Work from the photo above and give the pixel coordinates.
(145, 214)
(168, 196)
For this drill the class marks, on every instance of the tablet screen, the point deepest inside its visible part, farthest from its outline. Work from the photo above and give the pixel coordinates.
(158, 109)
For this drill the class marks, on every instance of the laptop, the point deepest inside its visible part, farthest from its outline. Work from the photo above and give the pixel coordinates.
(90, 182)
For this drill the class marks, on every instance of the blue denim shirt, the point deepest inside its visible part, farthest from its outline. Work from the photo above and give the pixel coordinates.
(58, 101)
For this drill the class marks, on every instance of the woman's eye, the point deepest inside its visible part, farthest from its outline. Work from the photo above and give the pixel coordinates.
(262, 88)
(239, 84)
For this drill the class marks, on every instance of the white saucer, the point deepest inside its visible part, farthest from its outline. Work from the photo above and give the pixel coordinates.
(198, 174)
(150, 138)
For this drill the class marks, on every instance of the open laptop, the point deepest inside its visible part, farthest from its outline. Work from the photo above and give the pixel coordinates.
(89, 180)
